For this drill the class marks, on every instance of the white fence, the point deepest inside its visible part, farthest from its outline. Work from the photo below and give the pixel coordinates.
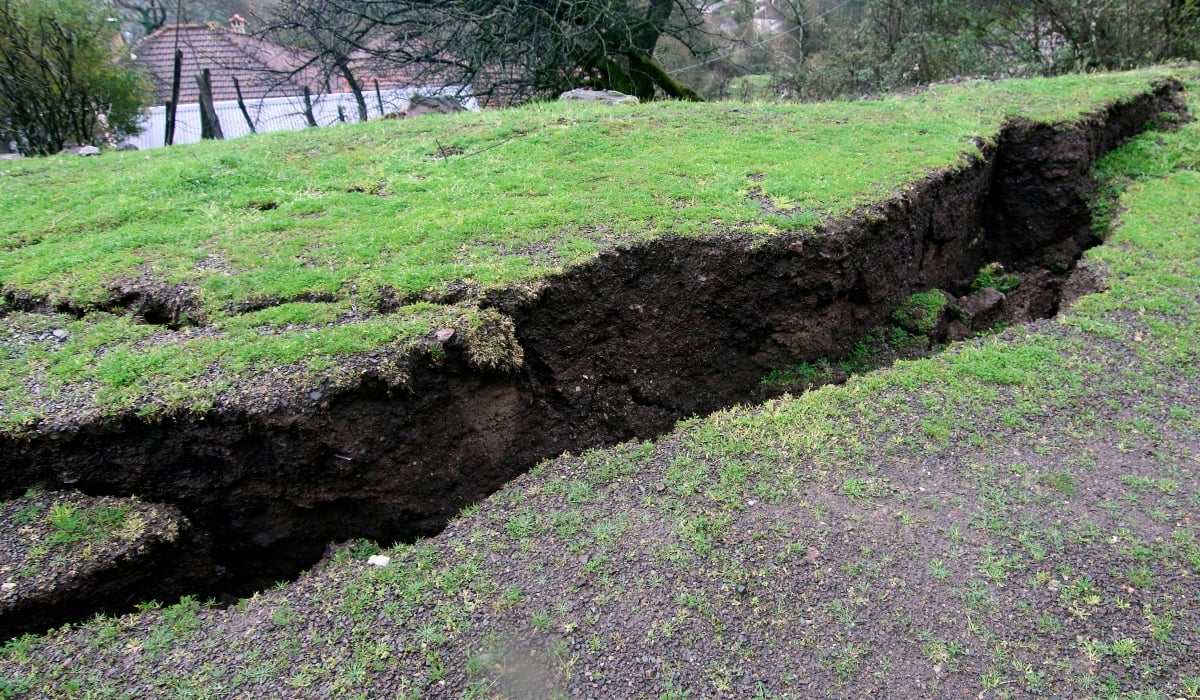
(277, 114)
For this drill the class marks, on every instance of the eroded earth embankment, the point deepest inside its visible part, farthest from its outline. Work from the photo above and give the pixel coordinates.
(620, 347)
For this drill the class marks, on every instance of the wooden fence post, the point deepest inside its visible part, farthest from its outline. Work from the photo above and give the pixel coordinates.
(308, 113)
(210, 125)
(173, 104)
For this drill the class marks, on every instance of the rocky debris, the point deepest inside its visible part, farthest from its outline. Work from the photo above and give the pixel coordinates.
(88, 151)
(604, 97)
(983, 308)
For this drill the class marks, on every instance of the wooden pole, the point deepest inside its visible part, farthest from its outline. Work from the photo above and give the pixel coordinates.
(210, 125)
(173, 104)
(242, 105)
(308, 113)
(378, 97)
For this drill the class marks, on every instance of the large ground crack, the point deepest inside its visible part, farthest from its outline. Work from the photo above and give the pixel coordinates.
(619, 348)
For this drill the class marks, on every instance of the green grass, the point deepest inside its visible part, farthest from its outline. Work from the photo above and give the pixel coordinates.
(321, 226)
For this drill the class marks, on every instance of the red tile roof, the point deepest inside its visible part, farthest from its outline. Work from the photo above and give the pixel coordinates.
(263, 68)
(267, 69)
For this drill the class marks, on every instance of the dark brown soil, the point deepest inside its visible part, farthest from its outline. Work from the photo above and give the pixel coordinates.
(619, 348)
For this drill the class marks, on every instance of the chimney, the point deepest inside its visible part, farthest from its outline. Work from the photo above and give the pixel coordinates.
(238, 24)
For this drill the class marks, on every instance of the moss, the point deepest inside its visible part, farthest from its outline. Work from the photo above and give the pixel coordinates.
(992, 275)
(491, 342)
(919, 313)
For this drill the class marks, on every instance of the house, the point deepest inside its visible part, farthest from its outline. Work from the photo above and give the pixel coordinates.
(263, 69)
(272, 78)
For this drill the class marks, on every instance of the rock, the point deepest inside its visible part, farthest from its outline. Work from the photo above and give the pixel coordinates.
(604, 97)
(89, 151)
(957, 330)
(1083, 280)
(427, 104)
(315, 395)
(127, 147)
(982, 309)
(379, 560)
(60, 333)
(443, 335)
(1036, 297)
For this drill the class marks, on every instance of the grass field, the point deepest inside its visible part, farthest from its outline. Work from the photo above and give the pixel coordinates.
(1016, 517)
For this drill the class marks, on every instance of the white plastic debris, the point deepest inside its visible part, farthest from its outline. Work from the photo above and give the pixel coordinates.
(379, 560)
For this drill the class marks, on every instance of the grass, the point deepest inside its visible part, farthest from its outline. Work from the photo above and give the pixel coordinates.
(322, 228)
(935, 528)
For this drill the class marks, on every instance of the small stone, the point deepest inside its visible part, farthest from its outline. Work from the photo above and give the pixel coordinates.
(379, 560)
(315, 395)
(61, 333)
(7, 586)
(89, 151)
(812, 555)
(443, 335)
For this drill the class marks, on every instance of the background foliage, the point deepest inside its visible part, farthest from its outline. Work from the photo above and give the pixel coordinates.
(63, 77)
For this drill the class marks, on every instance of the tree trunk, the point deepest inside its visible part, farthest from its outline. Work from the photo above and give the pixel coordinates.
(308, 113)
(640, 61)
(658, 12)
(355, 87)
(210, 125)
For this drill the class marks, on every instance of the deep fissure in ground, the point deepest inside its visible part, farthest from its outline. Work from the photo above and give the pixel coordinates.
(619, 348)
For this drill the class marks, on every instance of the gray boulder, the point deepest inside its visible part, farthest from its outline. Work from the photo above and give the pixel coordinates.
(88, 151)
(604, 97)
(427, 104)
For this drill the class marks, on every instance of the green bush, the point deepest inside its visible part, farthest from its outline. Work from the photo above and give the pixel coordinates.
(61, 79)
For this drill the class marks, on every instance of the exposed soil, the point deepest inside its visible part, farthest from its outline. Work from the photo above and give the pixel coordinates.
(619, 348)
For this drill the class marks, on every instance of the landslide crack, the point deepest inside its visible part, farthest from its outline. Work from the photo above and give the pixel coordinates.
(154, 304)
(690, 326)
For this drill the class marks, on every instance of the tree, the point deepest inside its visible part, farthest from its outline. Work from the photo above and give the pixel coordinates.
(512, 49)
(336, 39)
(149, 14)
(61, 77)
